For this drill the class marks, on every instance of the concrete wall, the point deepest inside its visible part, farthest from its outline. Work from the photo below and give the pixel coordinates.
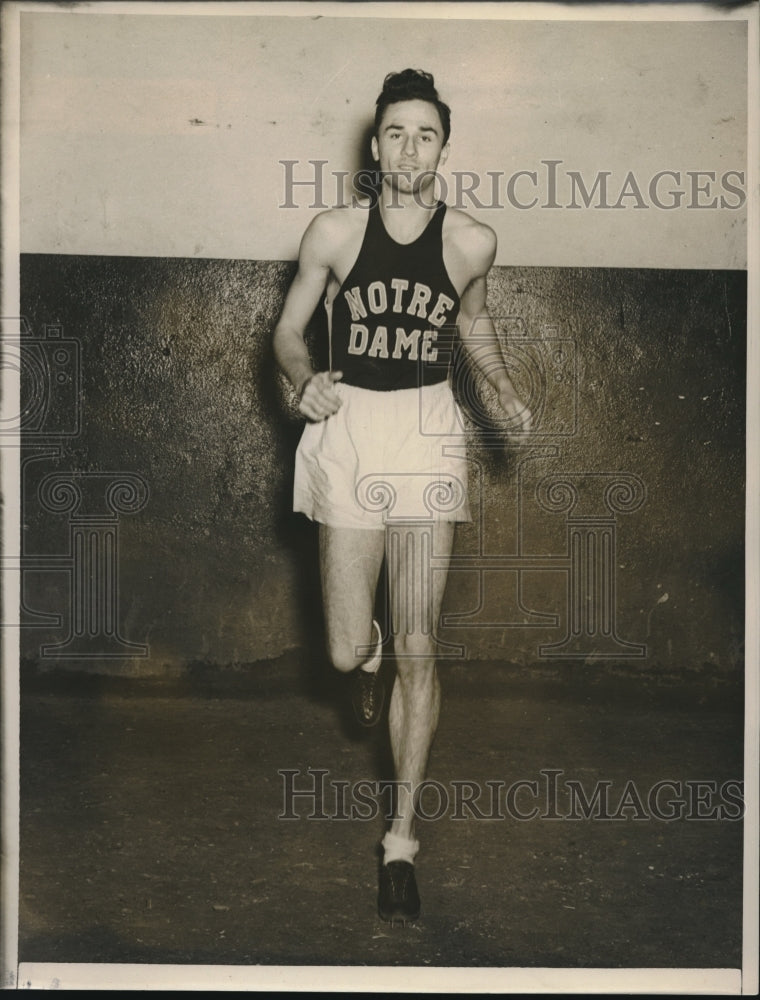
(162, 133)
(178, 387)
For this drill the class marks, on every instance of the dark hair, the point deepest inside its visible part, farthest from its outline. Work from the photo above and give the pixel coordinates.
(412, 85)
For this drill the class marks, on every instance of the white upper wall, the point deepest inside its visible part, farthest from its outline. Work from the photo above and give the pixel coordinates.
(162, 135)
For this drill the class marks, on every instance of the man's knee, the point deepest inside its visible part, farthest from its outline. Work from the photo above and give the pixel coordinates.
(417, 648)
(343, 655)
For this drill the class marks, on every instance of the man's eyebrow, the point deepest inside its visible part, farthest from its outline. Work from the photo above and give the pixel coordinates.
(390, 127)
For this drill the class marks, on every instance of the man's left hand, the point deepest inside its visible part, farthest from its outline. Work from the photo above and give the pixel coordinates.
(519, 415)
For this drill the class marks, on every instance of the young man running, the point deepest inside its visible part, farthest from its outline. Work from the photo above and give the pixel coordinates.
(381, 464)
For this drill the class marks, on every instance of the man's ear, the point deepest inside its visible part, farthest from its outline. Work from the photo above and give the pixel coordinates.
(375, 149)
(444, 154)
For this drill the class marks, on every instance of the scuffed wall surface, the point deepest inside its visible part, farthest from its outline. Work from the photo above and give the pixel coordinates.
(178, 386)
(165, 134)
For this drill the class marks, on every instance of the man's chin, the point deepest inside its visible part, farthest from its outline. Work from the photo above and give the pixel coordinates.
(421, 187)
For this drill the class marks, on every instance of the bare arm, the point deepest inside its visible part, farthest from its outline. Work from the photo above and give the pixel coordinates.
(478, 335)
(317, 398)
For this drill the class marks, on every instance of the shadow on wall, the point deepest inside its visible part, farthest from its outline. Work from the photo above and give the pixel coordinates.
(630, 488)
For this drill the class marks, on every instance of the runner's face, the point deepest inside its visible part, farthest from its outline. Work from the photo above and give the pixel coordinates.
(409, 145)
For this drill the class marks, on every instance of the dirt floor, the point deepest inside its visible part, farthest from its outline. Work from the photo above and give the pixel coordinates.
(151, 827)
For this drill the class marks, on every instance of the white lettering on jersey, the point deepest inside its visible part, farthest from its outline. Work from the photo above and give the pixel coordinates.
(438, 316)
(399, 286)
(406, 342)
(359, 337)
(355, 304)
(378, 300)
(379, 347)
(429, 353)
(420, 299)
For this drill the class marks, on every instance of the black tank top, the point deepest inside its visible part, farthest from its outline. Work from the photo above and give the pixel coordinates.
(392, 320)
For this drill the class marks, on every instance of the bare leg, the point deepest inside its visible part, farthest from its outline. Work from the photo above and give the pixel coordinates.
(416, 596)
(350, 561)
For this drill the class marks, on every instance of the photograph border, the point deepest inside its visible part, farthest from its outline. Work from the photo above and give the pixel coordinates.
(279, 978)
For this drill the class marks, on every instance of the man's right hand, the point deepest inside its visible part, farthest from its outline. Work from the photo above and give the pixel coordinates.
(318, 398)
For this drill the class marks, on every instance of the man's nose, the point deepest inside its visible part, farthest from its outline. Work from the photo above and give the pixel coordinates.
(409, 146)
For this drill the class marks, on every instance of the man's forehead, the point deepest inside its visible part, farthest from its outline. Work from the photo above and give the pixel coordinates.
(414, 112)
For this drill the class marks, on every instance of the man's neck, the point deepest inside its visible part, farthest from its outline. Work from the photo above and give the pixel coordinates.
(406, 215)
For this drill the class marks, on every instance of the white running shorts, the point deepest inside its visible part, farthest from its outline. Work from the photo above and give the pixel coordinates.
(384, 456)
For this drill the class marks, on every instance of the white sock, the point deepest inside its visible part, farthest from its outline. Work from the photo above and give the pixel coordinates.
(399, 848)
(372, 665)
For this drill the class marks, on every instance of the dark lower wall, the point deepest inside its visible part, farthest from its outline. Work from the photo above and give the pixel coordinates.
(636, 377)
